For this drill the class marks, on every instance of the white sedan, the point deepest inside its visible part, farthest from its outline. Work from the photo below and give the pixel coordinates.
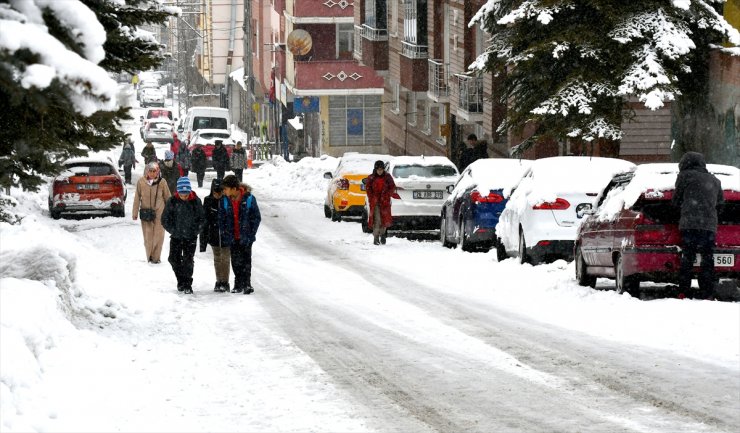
(541, 219)
(421, 184)
(152, 97)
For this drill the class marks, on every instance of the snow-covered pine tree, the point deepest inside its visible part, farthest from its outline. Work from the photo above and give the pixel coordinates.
(567, 66)
(59, 100)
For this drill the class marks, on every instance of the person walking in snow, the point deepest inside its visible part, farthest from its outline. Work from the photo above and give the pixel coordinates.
(210, 235)
(182, 156)
(183, 219)
(238, 220)
(127, 160)
(198, 163)
(238, 160)
(380, 188)
(220, 159)
(149, 201)
(697, 194)
(171, 170)
(148, 153)
(175, 145)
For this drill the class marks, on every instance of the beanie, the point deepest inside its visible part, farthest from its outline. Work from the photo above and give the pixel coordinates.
(168, 155)
(183, 185)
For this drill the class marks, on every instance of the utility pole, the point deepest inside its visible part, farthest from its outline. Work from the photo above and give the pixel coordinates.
(248, 73)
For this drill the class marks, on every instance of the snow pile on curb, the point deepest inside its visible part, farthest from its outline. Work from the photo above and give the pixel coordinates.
(302, 181)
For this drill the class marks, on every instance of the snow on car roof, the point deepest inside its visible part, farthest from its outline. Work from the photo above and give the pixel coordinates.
(212, 131)
(493, 173)
(420, 160)
(576, 173)
(360, 163)
(89, 160)
(654, 179)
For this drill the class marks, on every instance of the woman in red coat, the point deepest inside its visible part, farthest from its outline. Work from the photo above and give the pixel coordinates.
(380, 188)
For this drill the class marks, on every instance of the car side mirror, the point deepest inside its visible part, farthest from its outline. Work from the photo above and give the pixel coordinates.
(364, 181)
(450, 188)
(327, 175)
(584, 209)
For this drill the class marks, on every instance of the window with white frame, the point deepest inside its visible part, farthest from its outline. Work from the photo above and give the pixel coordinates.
(415, 22)
(345, 40)
(396, 87)
(375, 14)
(411, 108)
(427, 127)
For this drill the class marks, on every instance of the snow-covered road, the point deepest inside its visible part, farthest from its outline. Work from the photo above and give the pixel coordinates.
(341, 335)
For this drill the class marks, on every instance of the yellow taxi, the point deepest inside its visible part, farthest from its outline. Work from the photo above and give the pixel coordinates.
(345, 195)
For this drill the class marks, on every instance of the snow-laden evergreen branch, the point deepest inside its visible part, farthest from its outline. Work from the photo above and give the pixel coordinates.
(578, 94)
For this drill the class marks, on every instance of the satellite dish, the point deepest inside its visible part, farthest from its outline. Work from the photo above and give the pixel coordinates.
(299, 42)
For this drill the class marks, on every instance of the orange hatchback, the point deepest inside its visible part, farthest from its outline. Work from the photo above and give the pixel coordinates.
(345, 195)
(88, 185)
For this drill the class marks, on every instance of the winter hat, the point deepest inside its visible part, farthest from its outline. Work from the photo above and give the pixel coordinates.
(216, 185)
(183, 185)
(379, 164)
(168, 155)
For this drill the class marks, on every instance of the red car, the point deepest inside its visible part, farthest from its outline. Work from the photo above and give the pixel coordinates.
(207, 138)
(90, 185)
(633, 234)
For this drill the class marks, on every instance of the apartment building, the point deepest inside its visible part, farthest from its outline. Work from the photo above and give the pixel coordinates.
(316, 78)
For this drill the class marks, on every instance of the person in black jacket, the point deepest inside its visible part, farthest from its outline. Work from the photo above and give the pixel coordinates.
(220, 159)
(697, 193)
(211, 236)
(183, 219)
(198, 163)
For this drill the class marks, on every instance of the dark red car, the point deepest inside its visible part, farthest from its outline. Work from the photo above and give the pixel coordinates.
(207, 138)
(89, 185)
(633, 234)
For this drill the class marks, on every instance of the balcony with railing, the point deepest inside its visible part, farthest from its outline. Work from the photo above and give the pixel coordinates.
(328, 76)
(414, 60)
(470, 106)
(374, 47)
(439, 77)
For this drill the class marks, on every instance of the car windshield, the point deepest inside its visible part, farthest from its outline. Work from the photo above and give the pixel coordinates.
(209, 123)
(212, 135)
(401, 171)
(90, 169)
(153, 114)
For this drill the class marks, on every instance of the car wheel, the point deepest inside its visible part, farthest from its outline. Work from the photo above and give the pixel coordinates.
(118, 213)
(500, 250)
(625, 284)
(335, 216)
(365, 223)
(55, 214)
(464, 244)
(327, 211)
(443, 233)
(583, 278)
(523, 256)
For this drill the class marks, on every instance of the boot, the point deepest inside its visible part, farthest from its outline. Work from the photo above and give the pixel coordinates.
(248, 290)
(382, 239)
(225, 287)
(376, 240)
(236, 290)
(187, 290)
(218, 287)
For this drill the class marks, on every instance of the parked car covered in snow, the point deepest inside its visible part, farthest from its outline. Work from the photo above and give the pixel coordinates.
(89, 185)
(480, 194)
(421, 189)
(541, 219)
(154, 113)
(152, 96)
(632, 235)
(345, 194)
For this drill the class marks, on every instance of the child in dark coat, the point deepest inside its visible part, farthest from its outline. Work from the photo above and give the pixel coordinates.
(183, 218)
(211, 236)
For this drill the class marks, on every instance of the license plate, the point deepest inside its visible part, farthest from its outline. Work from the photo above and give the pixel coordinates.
(425, 195)
(720, 260)
(87, 186)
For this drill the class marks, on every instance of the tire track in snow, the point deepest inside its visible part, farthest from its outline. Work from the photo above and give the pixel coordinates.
(615, 376)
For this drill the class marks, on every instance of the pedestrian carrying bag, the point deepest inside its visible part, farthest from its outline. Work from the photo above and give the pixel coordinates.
(150, 214)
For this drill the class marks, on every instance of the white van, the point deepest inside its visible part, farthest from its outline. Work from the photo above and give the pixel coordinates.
(204, 118)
